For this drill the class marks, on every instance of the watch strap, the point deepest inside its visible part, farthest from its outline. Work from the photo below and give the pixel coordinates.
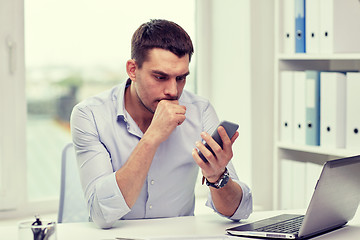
(221, 182)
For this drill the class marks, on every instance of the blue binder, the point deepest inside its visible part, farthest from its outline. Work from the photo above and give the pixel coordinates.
(300, 46)
(312, 91)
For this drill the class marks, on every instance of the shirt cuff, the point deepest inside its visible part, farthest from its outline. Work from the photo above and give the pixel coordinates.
(245, 208)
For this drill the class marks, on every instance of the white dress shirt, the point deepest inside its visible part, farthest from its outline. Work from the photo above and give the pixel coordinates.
(104, 136)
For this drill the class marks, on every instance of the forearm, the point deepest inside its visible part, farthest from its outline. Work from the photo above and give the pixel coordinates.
(227, 199)
(131, 177)
(114, 196)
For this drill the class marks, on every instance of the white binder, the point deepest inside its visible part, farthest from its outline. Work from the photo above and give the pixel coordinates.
(299, 183)
(339, 26)
(312, 96)
(299, 108)
(312, 18)
(286, 106)
(286, 184)
(292, 184)
(326, 26)
(332, 109)
(288, 31)
(353, 111)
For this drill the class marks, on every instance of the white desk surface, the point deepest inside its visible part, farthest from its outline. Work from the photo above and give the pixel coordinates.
(204, 227)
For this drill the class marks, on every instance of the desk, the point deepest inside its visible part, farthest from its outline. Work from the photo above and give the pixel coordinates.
(167, 228)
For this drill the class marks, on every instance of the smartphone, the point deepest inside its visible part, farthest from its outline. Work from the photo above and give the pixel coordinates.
(230, 129)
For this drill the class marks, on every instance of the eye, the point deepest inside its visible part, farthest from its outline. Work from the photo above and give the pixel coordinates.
(181, 78)
(160, 77)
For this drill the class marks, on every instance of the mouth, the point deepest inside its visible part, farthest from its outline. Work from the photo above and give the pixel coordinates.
(168, 99)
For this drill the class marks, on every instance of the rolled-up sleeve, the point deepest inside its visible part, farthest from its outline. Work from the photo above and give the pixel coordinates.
(108, 204)
(105, 202)
(210, 122)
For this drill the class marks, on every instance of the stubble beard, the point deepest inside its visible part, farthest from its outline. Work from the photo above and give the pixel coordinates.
(148, 108)
(143, 104)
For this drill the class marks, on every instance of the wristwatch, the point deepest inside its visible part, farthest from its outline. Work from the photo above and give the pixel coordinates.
(221, 182)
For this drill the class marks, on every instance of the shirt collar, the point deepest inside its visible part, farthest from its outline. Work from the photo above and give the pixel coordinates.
(121, 111)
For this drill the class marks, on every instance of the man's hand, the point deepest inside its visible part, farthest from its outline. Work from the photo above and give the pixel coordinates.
(216, 163)
(228, 198)
(168, 115)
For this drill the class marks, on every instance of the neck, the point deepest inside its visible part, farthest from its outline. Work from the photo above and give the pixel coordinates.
(136, 109)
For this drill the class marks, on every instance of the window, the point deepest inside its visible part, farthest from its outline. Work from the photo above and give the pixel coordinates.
(12, 107)
(75, 49)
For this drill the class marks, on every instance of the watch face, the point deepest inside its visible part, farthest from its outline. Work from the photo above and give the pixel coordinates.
(223, 181)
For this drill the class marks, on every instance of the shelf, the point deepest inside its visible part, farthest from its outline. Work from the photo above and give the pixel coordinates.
(340, 152)
(303, 56)
(294, 154)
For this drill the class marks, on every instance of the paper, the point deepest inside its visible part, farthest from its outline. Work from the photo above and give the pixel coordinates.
(193, 238)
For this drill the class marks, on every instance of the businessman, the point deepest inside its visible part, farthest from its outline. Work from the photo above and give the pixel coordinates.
(137, 143)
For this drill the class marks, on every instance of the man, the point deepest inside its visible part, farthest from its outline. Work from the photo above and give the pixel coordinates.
(135, 143)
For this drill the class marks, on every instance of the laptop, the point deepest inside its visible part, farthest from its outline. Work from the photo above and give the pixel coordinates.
(334, 202)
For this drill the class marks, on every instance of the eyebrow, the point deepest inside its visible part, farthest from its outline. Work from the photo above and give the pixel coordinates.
(165, 74)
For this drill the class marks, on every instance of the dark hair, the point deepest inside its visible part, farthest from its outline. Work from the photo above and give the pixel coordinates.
(162, 34)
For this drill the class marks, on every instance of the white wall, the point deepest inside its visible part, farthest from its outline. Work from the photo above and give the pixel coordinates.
(224, 56)
(262, 76)
(235, 71)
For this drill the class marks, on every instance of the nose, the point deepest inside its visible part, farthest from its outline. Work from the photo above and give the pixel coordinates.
(171, 89)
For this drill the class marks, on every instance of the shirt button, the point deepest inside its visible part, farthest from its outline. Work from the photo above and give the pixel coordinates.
(152, 182)
(150, 207)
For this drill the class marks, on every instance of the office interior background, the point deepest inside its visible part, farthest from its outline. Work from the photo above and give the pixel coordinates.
(56, 53)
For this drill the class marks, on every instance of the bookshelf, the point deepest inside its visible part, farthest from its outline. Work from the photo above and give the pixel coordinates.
(299, 157)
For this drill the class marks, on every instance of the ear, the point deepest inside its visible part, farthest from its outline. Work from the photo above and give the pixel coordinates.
(131, 69)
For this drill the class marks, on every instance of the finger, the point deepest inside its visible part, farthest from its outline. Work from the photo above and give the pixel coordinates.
(167, 105)
(181, 119)
(174, 113)
(236, 135)
(173, 106)
(223, 134)
(207, 153)
(175, 102)
(225, 139)
(181, 109)
(208, 170)
(180, 114)
(198, 160)
(215, 147)
(227, 142)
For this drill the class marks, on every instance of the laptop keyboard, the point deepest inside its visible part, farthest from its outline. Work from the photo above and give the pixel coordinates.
(288, 226)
